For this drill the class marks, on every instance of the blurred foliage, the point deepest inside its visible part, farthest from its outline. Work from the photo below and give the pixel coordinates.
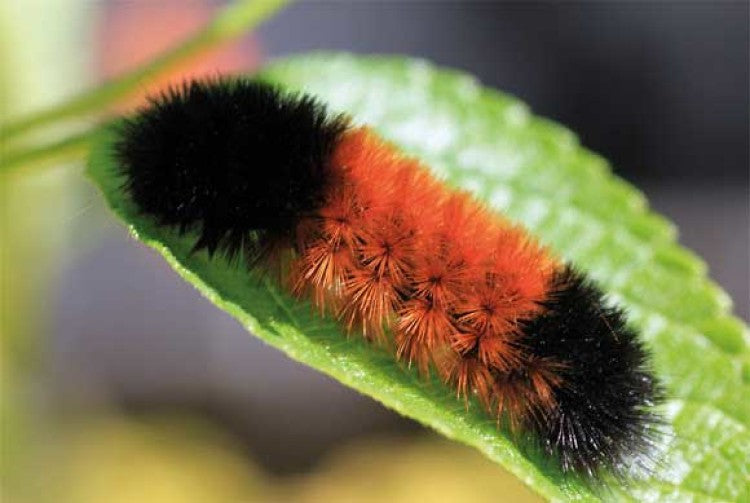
(160, 459)
(173, 459)
(401, 470)
(33, 220)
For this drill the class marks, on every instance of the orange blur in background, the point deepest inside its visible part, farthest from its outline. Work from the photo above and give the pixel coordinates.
(132, 33)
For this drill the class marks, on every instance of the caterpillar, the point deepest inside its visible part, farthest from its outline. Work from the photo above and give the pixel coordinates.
(370, 237)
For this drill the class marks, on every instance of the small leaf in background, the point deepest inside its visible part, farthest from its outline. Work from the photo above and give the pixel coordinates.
(535, 171)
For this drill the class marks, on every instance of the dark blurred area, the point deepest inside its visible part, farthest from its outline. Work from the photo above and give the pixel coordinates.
(660, 89)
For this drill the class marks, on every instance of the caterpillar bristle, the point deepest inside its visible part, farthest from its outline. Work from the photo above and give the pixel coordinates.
(372, 239)
(274, 150)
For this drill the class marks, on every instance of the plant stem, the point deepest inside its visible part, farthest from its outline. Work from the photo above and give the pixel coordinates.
(229, 23)
(72, 147)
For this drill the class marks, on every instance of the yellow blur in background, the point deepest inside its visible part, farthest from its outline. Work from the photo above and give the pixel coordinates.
(170, 459)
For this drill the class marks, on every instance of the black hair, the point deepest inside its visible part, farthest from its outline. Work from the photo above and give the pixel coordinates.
(238, 160)
(604, 415)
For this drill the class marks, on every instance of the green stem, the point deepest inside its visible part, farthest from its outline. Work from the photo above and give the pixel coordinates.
(229, 23)
(72, 147)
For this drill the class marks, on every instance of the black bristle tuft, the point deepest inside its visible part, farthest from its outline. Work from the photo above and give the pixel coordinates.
(234, 159)
(603, 418)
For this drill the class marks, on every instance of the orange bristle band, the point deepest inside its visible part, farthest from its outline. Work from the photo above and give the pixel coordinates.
(426, 265)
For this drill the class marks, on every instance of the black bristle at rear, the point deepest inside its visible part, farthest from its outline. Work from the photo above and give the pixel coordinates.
(236, 160)
(604, 417)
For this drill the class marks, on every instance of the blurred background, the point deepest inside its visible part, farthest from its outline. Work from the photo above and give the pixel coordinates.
(120, 383)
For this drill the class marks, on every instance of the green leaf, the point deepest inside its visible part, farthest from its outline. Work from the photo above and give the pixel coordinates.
(536, 172)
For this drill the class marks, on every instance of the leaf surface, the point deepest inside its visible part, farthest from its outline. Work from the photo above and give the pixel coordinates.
(536, 172)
